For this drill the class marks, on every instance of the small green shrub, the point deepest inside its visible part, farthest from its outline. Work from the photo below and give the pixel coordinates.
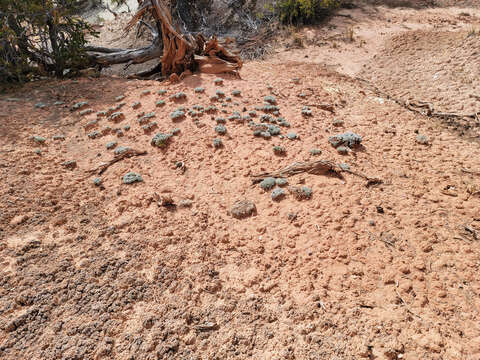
(304, 11)
(161, 140)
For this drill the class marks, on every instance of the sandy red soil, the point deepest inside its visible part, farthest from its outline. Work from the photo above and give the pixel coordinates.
(388, 271)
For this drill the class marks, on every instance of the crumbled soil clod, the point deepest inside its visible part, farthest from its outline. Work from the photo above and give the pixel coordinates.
(242, 209)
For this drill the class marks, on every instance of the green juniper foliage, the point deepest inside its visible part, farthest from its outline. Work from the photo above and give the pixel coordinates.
(41, 36)
(304, 11)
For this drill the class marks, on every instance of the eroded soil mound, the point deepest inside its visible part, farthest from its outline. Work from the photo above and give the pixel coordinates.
(442, 68)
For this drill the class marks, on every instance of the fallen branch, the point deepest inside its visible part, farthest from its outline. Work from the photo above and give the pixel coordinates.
(313, 167)
(127, 154)
(324, 167)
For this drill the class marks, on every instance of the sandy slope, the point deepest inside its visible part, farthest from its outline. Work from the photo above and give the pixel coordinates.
(386, 272)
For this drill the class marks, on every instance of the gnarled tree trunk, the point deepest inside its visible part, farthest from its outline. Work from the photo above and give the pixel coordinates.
(177, 52)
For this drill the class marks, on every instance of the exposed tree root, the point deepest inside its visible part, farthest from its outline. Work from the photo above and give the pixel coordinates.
(177, 52)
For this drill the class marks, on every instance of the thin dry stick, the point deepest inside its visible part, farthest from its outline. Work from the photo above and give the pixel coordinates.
(128, 154)
(406, 305)
(473, 172)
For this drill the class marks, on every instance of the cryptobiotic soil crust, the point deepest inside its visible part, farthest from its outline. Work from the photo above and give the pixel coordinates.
(94, 268)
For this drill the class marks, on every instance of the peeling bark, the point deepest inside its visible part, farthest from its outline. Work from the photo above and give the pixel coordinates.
(176, 52)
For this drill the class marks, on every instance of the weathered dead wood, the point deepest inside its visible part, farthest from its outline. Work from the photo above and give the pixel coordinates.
(319, 167)
(177, 52)
(127, 154)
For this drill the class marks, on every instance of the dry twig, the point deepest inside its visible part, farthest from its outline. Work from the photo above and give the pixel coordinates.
(127, 154)
(405, 304)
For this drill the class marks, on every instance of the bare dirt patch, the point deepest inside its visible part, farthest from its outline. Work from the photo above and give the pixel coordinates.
(385, 271)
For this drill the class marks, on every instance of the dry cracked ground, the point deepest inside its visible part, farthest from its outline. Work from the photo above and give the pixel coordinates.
(160, 269)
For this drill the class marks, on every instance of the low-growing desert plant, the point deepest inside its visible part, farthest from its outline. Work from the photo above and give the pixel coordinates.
(304, 11)
(42, 37)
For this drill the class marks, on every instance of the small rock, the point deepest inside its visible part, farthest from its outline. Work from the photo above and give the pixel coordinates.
(40, 105)
(342, 150)
(315, 151)
(97, 181)
(243, 209)
(281, 181)
(59, 137)
(292, 136)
